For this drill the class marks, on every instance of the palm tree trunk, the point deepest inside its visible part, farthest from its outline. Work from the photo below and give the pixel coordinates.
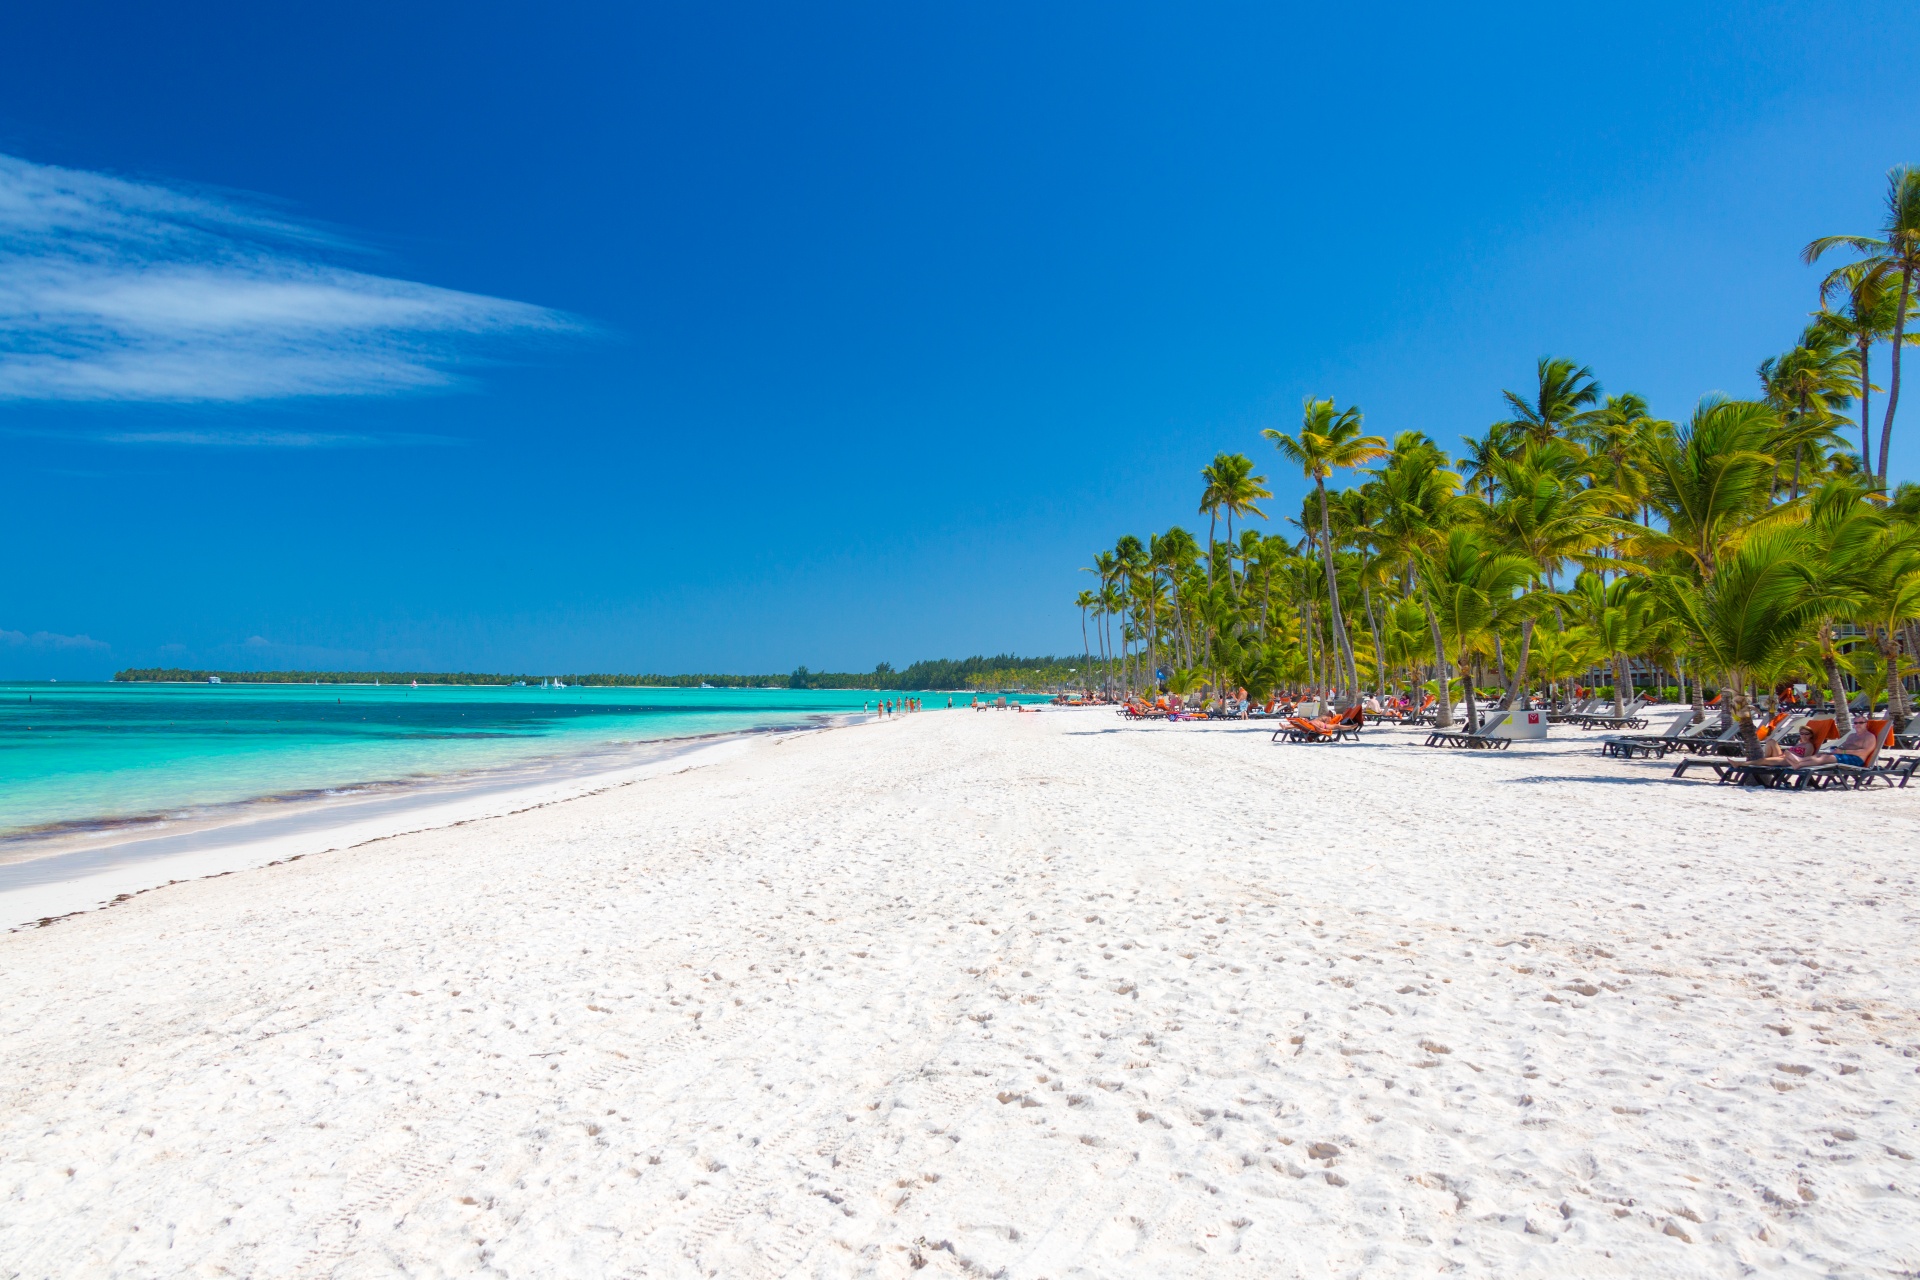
(1749, 735)
(1889, 646)
(1443, 718)
(1306, 634)
(1699, 685)
(1866, 394)
(1893, 383)
(1619, 680)
(1379, 650)
(1842, 713)
(1333, 584)
(1517, 691)
(1086, 652)
(1106, 648)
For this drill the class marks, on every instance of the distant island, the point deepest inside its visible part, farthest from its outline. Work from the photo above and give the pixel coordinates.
(1002, 672)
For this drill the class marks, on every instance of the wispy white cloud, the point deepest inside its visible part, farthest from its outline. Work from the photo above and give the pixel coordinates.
(51, 640)
(243, 437)
(112, 289)
(276, 439)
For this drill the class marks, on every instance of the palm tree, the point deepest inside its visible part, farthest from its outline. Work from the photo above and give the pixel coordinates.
(1417, 501)
(1130, 570)
(1893, 253)
(1891, 601)
(1617, 437)
(1559, 656)
(1084, 601)
(1866, 317)
(1105, 566)
(1233, 488)
(1329, 439)
(1464, 580)
(1483, 455)
(1808, 386)
(1710, 482)
(1619, 616)
(1563, 389)
(1846, 533)
(1748, 615)
(1549, 520)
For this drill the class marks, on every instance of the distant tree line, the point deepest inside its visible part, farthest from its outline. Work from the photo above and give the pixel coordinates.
(195, 676)
(1004, 671)
(1010, 672)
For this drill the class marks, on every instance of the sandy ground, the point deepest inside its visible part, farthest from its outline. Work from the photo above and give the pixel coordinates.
(995, 994)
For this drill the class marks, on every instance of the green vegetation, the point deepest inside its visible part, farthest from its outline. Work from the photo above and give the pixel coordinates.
(1003, 672)
(1748, 548)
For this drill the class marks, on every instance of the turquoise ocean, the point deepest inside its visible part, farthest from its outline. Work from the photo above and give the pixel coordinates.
(80, 756)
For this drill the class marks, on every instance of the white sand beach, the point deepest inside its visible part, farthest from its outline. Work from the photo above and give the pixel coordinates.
(1033, 995)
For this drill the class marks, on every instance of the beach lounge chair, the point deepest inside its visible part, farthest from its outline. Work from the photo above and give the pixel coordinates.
(1817, 777)
(1869, 771)
(1346, 725)
(1577, 707)
(1489, 736)
(1630, 717)
(1713, 738)
(1657, 745)
(1812, 734)
(1727, 741)
(1422, 714)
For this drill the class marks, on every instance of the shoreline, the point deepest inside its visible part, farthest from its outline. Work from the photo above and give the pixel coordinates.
(50, 875)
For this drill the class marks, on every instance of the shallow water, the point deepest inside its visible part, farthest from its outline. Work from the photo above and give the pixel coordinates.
(90, 756)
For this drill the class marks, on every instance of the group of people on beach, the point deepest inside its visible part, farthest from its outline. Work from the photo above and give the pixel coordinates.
(897, 706)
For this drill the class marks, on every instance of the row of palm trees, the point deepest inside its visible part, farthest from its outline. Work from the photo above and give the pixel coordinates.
(1746, 548)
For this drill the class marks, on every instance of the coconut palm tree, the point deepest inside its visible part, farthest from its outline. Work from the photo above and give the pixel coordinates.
(1748, 614)
(1846, 538)
(1549, 520)
(1808, 386)
(1617, 437)
(1620, 618)
(1561, 391)
(1233, 488)
(1710, 483)
(1105, 567)
(1329, 439)
(1891, 601)
(1417, 501)
(1464, 579)
(1559, 656)
(1084, 601)
(1865, 317)
(1893, 254)
(1482, 455)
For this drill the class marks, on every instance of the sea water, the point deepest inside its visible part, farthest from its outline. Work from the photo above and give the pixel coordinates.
(79, 756)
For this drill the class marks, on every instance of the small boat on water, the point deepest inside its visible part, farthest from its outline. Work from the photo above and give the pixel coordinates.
(705, 685)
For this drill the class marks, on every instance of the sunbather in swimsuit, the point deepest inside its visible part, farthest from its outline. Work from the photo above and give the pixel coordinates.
(1853, 748)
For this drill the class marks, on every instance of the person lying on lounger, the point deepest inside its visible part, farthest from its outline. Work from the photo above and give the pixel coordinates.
(1798, 757)
(1856, 746)
(1851, 749)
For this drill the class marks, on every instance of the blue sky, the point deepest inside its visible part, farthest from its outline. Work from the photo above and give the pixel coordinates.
(735, 337)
